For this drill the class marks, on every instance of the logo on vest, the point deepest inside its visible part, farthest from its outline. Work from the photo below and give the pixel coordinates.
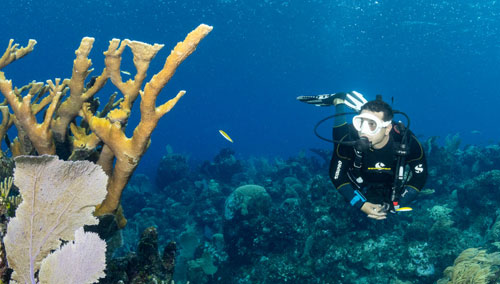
(419, 168)
(379, 166)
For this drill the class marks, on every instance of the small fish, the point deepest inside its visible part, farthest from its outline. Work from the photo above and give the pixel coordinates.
(126, 73)
(404, 209)
(224, 134)
(475, 132)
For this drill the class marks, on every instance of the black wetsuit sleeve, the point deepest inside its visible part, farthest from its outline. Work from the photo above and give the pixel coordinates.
(340, 163)
(418, 165)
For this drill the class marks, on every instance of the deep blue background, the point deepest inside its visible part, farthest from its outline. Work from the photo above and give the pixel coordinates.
(440, 60)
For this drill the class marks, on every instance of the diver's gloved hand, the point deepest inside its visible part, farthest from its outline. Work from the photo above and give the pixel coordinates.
(355, 100)
(374, 211)
(324, 100)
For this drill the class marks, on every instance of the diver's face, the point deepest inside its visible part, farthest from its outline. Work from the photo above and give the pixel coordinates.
(379, 139)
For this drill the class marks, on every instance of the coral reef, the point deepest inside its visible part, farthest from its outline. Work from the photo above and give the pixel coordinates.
(480, 192)
(146, 265)
(223, 167)
(173, 168)
(290, 226)
(246, 216)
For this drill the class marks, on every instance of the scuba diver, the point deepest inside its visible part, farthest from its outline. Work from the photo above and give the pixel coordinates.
(377, 165)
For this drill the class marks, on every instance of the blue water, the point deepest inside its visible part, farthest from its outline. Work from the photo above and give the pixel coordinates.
(439, 60)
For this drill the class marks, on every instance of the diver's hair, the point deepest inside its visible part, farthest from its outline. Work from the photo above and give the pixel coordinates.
(379, 106)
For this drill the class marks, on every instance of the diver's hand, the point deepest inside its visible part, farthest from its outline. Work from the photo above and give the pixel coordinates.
(323, 100)
(355, 100)
(374, 211)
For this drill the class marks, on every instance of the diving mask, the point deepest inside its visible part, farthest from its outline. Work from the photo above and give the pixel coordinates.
(367, 123)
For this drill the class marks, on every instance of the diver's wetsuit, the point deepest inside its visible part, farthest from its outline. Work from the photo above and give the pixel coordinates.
(377, 171)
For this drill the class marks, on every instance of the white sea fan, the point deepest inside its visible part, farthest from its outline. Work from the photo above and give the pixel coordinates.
(80, 261)
(59, 197)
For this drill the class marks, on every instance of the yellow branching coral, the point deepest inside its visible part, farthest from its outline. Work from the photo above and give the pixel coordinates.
(128, 151)
(14, 52)
(22, 144)
(39, 134)
(98, 133)
(70, 108)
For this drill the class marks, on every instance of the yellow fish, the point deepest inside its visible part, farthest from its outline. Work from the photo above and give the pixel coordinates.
(403, 209)
(224, 134)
